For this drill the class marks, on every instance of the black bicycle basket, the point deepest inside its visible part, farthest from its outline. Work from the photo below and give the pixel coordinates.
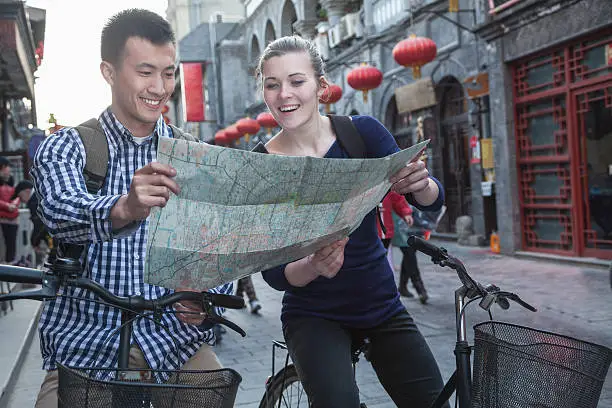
(521, 367)
(90, 388)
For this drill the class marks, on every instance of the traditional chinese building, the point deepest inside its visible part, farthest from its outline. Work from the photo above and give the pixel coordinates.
(516, 102)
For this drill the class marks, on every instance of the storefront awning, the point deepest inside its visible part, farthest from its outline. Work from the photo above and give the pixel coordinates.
(17, 53)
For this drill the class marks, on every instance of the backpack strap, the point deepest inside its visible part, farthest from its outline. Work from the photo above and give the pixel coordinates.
(96, 165)
(352, 142)
(260, 148)
(348, 136)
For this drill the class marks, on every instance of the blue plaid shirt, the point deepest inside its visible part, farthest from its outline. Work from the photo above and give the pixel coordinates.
(84, 333)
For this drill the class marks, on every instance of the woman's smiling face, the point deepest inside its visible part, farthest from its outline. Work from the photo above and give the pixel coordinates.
(291, 90)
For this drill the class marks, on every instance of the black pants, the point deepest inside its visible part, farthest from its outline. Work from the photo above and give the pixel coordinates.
(410, 270)
(404, 364)
(9, 231)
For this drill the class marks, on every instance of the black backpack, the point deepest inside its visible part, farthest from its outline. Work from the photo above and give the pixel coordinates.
(96, 165)
(96, 168)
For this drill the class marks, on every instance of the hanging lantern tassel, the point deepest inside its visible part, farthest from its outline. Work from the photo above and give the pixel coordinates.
(453, 6)
(365, 96)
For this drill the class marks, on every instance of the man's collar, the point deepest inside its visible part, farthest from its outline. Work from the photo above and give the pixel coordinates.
(109, 118)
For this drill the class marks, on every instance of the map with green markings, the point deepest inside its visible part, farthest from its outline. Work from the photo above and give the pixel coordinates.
(241, 212)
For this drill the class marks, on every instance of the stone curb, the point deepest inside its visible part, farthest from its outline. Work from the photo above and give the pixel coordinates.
(23, 349)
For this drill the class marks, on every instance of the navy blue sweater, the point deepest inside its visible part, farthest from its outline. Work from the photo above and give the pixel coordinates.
(363, 294)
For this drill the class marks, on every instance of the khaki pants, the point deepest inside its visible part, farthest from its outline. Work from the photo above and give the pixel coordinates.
(204, 359)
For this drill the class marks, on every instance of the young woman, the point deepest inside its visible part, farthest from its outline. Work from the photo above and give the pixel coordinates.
(345, 291)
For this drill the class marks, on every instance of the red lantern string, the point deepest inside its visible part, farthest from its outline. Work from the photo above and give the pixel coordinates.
(267, 121)
(331, 94)
(414, 52)
(364, 78)
(248, 127)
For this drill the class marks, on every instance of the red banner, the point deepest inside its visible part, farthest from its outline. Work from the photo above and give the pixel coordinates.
(192, 89)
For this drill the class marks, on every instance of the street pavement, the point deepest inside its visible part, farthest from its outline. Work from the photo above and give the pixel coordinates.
(572, 300)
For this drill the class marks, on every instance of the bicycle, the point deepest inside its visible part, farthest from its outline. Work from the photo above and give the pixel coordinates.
(514, 366)
(87, 387)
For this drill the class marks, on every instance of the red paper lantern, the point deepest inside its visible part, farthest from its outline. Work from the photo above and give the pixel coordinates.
(248, 127)
(232, 133)
(331, 94)
(414, 52)
(267, 121)
(364, 78)
(220, 138)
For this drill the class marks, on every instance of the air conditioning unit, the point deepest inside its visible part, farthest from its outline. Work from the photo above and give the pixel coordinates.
(354, 28)
(322, 44)
(334, 35)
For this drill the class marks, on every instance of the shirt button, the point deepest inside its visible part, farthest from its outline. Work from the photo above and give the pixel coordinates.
(137, 292)
(136, 256)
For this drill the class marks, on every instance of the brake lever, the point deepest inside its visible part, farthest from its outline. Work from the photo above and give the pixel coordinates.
(492, 294)
(517, 299)
(222, 320)
(211, 315)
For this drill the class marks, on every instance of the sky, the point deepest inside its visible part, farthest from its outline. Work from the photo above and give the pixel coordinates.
(69, 83)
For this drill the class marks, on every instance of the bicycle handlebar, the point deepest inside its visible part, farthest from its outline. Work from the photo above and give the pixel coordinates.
(425, 247)
(51, 281)
(18, 274)
(489, 294)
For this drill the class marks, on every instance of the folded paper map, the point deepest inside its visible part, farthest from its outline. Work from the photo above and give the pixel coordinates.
(241, 212)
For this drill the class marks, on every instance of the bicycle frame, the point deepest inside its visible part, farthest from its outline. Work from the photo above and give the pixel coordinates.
(461, 380)
(462, 352)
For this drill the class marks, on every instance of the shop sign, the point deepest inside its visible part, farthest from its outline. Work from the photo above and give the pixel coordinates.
(415, 96)
(475, 146)
(478, 85)
(486, 147)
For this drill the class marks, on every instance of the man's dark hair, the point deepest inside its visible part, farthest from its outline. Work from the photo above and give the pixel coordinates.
(133, 23)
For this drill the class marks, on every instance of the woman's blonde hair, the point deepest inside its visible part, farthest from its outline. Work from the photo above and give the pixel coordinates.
(289, 44)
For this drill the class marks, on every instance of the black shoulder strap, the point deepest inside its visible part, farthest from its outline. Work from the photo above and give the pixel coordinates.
(96, 164)
(260, 148)
(351, 140)
(348, 136)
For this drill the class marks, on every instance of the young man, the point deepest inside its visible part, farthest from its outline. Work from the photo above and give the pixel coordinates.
(138, 56)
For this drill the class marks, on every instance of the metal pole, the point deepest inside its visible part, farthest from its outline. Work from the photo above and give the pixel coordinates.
(462, 353)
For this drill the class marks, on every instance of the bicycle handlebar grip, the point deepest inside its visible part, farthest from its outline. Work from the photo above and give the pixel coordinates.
(425, 247)
(18, 274)
(228, 301)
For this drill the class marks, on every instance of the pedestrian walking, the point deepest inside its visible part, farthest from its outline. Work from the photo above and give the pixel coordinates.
(245, 285)
(409, 269)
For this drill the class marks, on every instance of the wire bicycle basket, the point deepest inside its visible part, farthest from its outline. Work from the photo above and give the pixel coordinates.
(517, 367)
(86, 388)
